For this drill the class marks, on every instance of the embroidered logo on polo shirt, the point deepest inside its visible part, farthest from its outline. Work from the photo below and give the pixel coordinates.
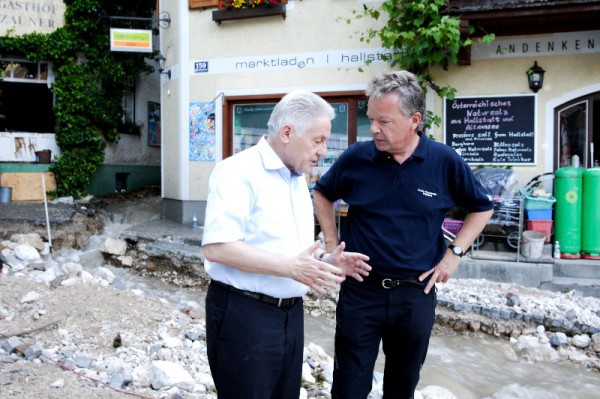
(426, 193)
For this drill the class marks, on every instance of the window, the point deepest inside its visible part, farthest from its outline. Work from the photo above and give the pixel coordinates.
(19, 70)
(246, 118)
(249, 124)
(127, 123)
(578, 132)
(363, 124)
(26, 102)
(245, 122)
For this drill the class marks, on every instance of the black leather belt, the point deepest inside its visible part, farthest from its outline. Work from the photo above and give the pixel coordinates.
(279, 302)
(389, 283)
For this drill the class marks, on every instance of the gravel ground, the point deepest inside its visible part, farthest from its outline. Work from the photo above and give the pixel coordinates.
(87, 317)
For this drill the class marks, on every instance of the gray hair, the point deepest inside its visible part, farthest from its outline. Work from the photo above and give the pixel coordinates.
(406, 86)
(299, 108)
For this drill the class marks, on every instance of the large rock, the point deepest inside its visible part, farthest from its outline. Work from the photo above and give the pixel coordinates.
(168, 374)
(26, 253)
(114, 246)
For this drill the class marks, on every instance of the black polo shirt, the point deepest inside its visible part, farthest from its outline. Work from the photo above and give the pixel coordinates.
(396, 212)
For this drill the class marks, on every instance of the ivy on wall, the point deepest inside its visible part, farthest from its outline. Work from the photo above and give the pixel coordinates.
(420, 36)
(90, 82)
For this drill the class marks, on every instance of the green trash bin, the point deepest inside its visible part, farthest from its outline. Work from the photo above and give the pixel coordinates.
(590, 215)
(568, 191)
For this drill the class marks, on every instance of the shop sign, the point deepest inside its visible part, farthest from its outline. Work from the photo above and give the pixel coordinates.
(131, 40)
(564, 43)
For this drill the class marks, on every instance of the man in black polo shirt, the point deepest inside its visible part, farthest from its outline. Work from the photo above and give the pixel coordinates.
(399, 187)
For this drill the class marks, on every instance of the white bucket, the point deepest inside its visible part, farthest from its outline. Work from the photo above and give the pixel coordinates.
(533, 244)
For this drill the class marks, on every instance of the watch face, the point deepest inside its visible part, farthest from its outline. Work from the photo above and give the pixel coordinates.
(457, 250)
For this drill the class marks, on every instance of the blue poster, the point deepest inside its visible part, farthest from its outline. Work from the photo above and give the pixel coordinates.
(202, 131)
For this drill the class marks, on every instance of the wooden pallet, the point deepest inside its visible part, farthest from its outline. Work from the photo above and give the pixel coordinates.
(28, 186)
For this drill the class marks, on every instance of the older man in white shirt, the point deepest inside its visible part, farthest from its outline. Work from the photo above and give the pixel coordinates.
(258, 244)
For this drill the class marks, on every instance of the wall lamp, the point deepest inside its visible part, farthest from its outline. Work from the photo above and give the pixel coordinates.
(161, 65)
(535, 76)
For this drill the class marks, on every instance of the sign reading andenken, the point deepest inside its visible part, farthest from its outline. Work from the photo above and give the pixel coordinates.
(492, 129)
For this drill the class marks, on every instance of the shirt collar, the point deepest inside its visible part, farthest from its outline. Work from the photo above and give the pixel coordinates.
(270, 159)
(420, 152)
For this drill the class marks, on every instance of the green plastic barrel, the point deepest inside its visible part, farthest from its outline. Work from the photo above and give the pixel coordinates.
(568, 188)
(590, 225)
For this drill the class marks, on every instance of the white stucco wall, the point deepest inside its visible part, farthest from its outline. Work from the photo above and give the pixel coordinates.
(21, 146)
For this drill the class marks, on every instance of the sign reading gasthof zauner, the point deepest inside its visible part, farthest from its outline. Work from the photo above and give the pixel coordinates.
(28, 16)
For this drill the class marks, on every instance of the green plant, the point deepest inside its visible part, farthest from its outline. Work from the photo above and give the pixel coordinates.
(90, 82)
(420, 36)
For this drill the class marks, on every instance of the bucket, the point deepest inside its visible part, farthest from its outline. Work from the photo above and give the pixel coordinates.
(533, 244)
(44, 156)
(541, 226)
(5, 194)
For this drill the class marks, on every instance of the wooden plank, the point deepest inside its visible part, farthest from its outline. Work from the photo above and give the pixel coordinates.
(193, 4)
(28, 186)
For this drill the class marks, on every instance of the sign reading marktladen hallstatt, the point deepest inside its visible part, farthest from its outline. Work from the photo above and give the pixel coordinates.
(23, 17)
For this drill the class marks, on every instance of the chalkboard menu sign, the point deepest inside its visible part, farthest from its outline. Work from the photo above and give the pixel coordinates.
(492, 130)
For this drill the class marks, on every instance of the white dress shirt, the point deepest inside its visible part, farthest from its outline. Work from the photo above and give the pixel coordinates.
(253, 197)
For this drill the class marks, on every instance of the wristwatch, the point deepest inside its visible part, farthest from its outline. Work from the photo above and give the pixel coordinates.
(456, 250)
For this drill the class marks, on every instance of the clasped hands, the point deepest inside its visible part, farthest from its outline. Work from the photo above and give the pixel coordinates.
(332, 270)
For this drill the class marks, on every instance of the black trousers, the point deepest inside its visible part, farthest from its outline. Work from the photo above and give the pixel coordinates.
(254, 348)
(402, 318)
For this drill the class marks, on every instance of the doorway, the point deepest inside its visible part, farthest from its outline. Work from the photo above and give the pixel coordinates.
(577, 139)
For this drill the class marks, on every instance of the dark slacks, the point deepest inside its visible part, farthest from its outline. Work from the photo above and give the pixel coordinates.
(254, 348)
(402, 318)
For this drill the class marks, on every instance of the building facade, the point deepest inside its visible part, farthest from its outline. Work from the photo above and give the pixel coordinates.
(27, 138)
(228, 68)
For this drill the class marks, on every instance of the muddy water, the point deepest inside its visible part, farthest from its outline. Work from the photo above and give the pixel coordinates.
(471, 368)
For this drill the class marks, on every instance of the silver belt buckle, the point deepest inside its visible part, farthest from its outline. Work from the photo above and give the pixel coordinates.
(279, 302)
(384, 281)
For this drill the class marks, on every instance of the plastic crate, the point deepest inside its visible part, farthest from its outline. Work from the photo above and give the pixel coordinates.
(541, 226)
(453, 226)
(536, 202)
(539, 214)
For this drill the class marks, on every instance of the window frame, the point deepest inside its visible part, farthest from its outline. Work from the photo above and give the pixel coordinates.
(128, 122)
(591, 129)
(17, 60)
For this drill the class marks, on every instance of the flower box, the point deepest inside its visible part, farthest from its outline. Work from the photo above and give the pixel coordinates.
(237, 5)
(230, 10)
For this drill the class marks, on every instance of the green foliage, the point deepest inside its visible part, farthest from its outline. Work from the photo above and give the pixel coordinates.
(90, 82)
(419, 36)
